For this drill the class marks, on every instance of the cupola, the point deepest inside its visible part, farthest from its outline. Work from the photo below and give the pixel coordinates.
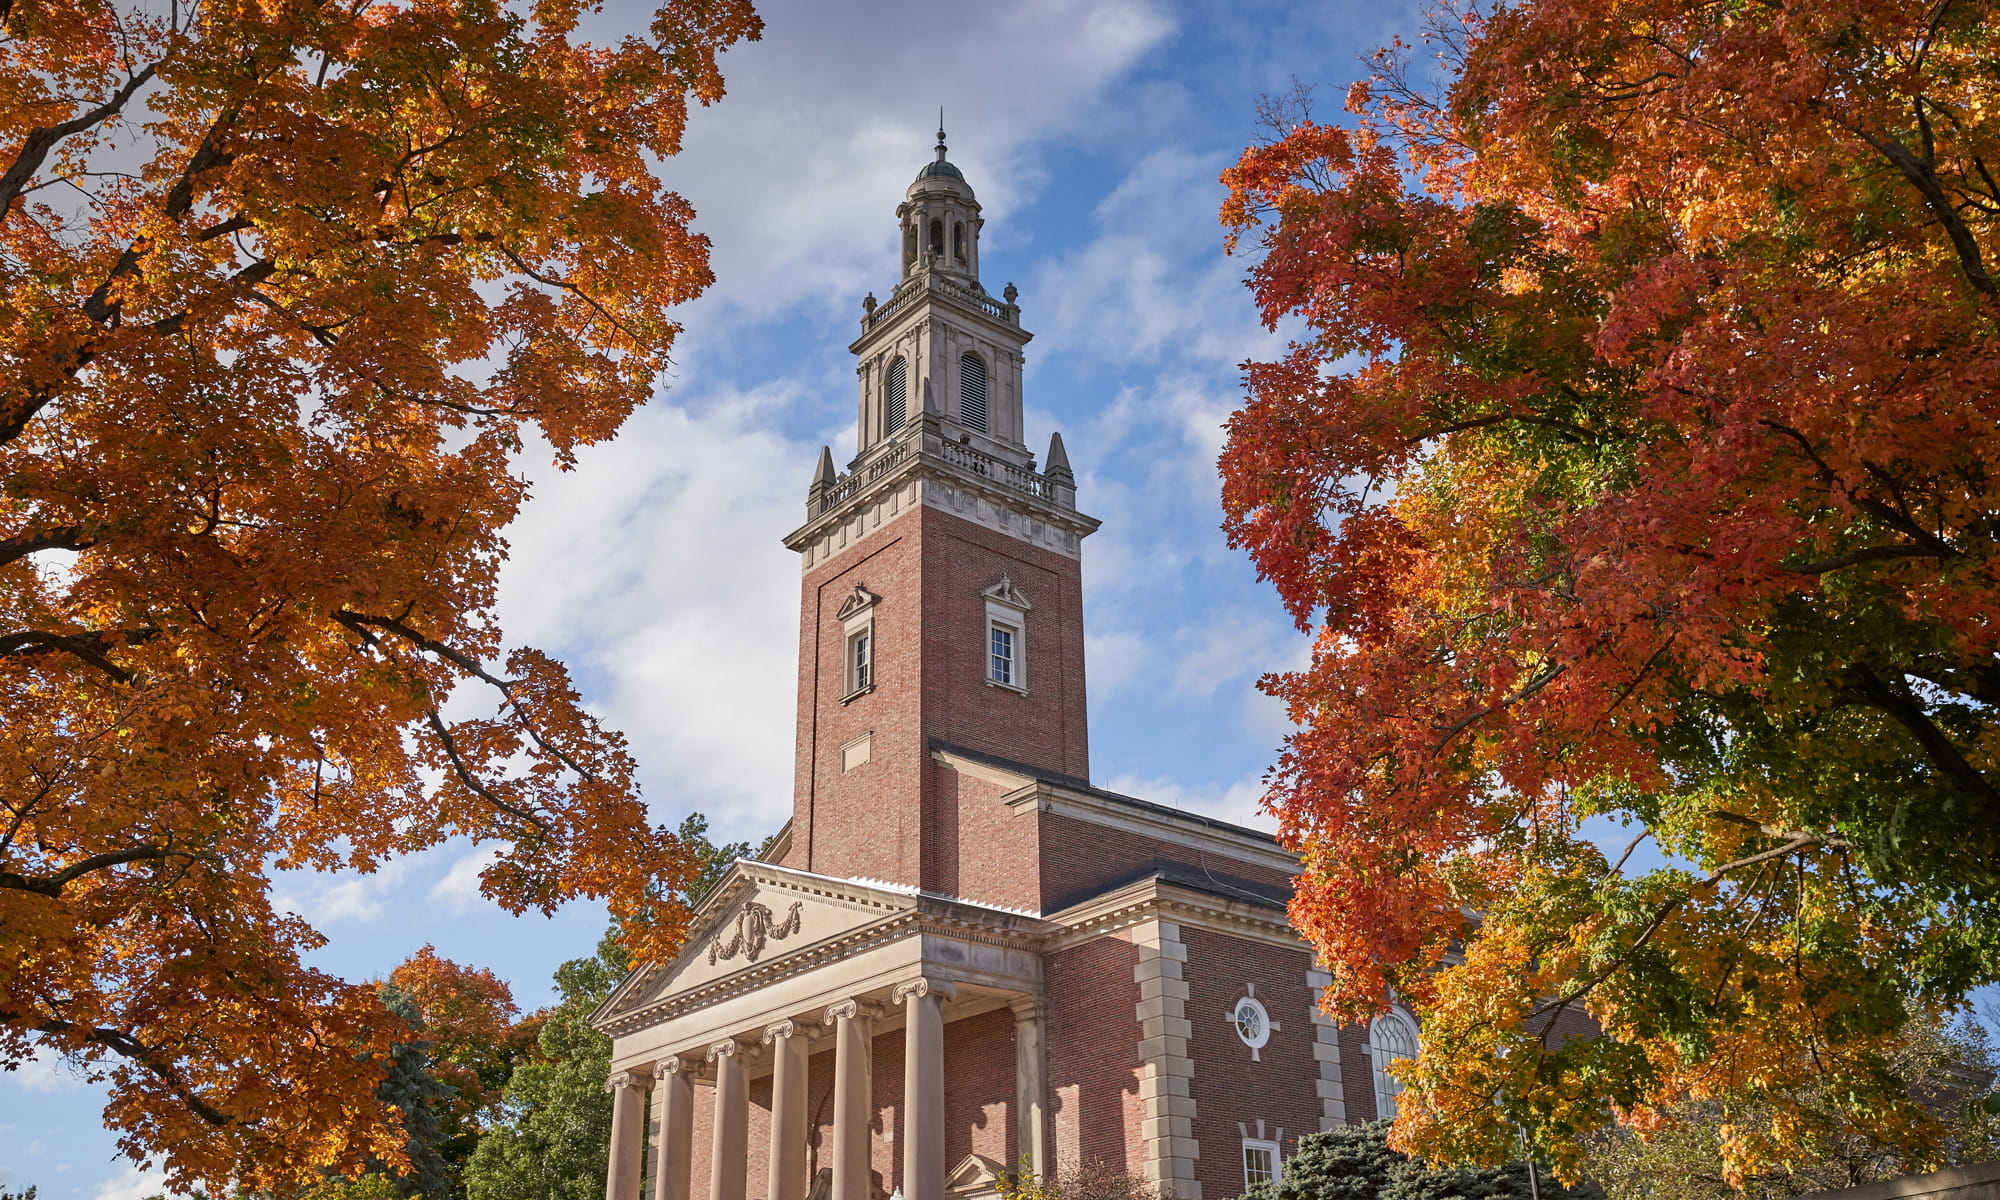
(940, 219)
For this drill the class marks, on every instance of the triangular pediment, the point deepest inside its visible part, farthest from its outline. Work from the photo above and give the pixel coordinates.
(974, 1176)
(857, 600)
(758, 914)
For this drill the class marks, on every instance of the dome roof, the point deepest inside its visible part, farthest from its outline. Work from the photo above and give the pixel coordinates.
(940, 171)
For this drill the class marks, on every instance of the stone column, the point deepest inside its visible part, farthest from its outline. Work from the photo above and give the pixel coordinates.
(788, 1111)
(673, 1097)
(853, 1097)
(1031, 1082)
(628, 1134)
(923, 1088)
(729, 1150)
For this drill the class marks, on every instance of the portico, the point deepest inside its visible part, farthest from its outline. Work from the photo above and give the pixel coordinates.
(756, 995)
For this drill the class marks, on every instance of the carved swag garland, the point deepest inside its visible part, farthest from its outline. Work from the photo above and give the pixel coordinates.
(754, 926)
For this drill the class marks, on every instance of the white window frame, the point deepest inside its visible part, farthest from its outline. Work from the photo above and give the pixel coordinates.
(1008, 626)
(859, 671)
(857, 620)
(1006, 608)
(1389, 1089)
(1277, 1161)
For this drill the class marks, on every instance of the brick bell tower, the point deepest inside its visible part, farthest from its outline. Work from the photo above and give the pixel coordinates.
(943, 597)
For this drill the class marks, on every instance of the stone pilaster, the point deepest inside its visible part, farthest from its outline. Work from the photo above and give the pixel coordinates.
(1031, 1083)
(1326, 1051)
(1165, 1069)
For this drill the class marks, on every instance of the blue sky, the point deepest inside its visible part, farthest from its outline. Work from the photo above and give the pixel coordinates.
(1093, 131)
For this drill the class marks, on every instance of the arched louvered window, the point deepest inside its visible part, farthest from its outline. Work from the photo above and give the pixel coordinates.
(937, 237)
(896, 396)
(972, 392)
(958, 240)
(1391, 1037)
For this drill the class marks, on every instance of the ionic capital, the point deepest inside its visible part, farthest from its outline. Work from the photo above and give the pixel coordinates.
(624, 1079)
(672, 1064)
(779, 1029)
(847, 1010)
(725, 1048)
(918, 988)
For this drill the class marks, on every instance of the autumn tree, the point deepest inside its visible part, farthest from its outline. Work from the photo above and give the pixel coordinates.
(468, 1021)
(1949, 1068)
(1634, 462)
(549, 1135)
(286, 287)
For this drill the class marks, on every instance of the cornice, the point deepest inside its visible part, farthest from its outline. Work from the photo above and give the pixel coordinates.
(924, 466)
(1169, 825)
(1162, 900)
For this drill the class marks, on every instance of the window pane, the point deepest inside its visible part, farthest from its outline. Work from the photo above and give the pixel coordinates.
(860, 661)
(1390, 1038)
(1257, 1164)
(1002, 668)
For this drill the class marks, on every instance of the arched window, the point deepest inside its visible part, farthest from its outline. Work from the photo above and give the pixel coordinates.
(896, 396)
(958, 240)
(972, 392)
(909, 247)
(1392, 1036)
(937, 236)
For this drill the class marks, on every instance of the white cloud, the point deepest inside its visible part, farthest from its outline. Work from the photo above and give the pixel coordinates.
(458, 891)
(796, 175)
(1238, 803)
(47, 1074)
(340, 896)
(656, 570)
(131, 1183)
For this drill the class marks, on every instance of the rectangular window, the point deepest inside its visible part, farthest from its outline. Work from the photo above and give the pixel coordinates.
(1260, 1162)
(861, 659)
(1001, 654)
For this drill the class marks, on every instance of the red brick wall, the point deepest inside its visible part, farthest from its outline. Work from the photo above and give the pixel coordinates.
(1047, 727)
(1093, 1035)
(1080, 859)
(866, 822)
(979, 1092)
(929, 569)
(980, 849)
(1228, 1087)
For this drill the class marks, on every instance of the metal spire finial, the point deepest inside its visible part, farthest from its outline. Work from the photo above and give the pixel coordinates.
(940, 145)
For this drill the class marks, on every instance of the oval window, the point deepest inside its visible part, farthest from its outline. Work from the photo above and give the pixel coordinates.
(1253, 1024)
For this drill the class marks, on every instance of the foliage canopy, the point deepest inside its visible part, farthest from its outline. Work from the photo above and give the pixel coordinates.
(285, 286)
(1635, 462)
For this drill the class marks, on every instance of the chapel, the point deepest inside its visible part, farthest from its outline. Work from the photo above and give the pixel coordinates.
(960, 958)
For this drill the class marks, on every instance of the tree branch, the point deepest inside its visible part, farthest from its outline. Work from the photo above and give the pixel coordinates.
(65, 537)
(35, 148)
(130, 1047)
(1865, 685)
(53, 885)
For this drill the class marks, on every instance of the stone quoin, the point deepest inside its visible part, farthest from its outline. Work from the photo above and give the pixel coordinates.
(961, 958)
